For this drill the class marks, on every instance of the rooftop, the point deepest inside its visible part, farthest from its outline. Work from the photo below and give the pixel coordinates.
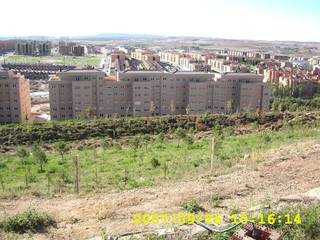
(83, 70)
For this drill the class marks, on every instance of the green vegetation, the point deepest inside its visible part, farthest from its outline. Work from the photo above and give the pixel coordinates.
(296, 104)
(192, 207)
(73, 130)
(309, 227)
(308, 230)
(65, 60)
(287, 92)
(134, 162)
(29, 221)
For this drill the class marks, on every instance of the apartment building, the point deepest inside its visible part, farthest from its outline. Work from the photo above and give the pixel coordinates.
(65, 48)
(33, 48)
(26, 48)
(85, 93)
(170, 57)
(143, 55)
(73, 92)
(15, 102)
(7, 46)
(222, 66)
(79, 50)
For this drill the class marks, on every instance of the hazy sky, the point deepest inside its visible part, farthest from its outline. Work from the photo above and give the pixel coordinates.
(242, 19)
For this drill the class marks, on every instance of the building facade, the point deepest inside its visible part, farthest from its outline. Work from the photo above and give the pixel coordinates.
(33, 48)
(15, 102)
(89, 93)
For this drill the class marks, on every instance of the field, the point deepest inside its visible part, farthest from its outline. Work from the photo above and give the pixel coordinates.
(136, 161)
(66, 60)
(160, 168)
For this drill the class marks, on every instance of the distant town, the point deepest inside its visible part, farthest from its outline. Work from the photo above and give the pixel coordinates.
(57, 79)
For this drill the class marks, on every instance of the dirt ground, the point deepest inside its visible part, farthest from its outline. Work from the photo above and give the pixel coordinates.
(278, 175)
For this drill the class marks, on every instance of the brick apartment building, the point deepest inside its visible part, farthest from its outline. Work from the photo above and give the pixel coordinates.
(15, 102)
(77, 93)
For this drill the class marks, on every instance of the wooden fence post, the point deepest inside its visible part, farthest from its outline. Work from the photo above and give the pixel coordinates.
(213, 154)
(77, 174)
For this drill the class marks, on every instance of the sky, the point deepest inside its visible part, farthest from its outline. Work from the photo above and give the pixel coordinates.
(294, 20)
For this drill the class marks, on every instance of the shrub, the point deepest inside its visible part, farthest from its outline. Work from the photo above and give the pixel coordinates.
(266, 138)
(61, 148)
(188, 140)
(217, 130)
(155, 162)
(27, 221)
(104, 143)
(161, 137)
(192, 206)
(22, 152)
(40, 156)
(229, 131)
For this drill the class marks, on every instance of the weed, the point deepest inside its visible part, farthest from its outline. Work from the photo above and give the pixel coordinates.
(27, 221)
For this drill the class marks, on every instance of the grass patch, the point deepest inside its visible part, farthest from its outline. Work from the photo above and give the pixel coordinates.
(29, 221)
(308, 229)
(67, 60)
(192, 206)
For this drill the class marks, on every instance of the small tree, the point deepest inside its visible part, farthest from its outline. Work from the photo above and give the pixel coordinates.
(40, 156)
(135, 143)
(155, 162)
(161, 137)
(180, 134)
(61, 148)
(188, 140)
(146, 140)
(22, 152)
(217, 131)
(104, 144)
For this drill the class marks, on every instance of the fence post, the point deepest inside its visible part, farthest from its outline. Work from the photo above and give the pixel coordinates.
(213, 154)
(77, 174)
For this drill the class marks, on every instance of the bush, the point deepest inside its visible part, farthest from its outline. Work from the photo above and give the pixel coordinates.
(188, 140)
(27, 221)
(161, 137)
(266, 138)
(229, 131)
(71, 130)
(192, 206)
(155, 163)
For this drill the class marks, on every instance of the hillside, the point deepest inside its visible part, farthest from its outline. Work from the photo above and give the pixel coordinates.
(257, 163)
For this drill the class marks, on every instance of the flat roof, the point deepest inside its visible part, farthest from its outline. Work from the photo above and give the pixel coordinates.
(189, 72)
(178, 72)
(82, 70)
(142, 71)
(242, 74)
